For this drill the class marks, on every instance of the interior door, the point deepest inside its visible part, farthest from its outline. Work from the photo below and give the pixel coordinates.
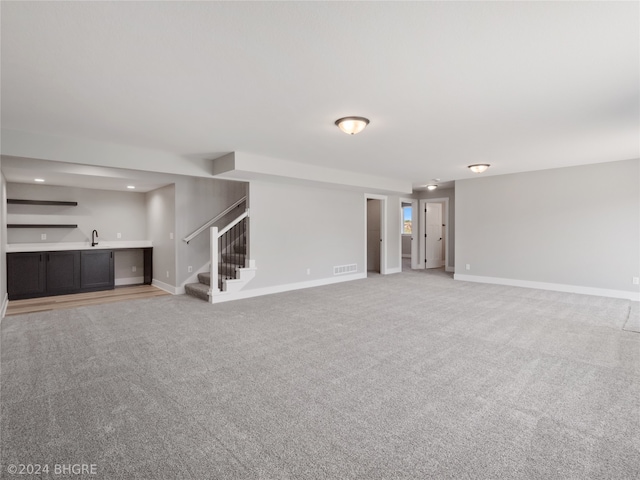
(433, 237)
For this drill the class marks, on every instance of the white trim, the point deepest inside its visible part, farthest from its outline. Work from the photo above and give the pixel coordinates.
(394, 270)
(129, 281)
(5, 304)
(414, 235)
(168, 288)
(258, 292)
(383, 231)
(556, 287)
(449, 269)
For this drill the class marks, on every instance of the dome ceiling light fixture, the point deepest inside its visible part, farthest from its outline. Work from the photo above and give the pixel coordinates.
(432, 187)
(479, 167)
(352, 125)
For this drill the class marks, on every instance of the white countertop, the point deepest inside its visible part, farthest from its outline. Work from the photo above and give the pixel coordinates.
(56, 247)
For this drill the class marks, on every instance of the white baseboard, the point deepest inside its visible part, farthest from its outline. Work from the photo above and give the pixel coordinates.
(226, 297)
(393, 270)
(5, 304)
(167, 288)
(556, 287)
(129, 281)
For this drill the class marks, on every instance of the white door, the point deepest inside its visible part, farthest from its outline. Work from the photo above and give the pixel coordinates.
(433, 239)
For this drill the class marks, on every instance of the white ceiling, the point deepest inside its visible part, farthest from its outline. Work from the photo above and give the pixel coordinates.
(521, 85)
(26, 170)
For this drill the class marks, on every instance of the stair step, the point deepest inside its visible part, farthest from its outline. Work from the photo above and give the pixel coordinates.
(205, 278)
(198, 290)
(235, 258)
(227, 269)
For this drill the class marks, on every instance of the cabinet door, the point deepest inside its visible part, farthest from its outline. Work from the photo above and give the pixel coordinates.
(97, 270)
(63, 272)
(25, 275)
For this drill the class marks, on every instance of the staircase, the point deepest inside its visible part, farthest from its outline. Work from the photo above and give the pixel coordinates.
(228, 252)
(228, 270)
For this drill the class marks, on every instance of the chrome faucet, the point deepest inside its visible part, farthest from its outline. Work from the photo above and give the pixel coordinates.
(94, 235)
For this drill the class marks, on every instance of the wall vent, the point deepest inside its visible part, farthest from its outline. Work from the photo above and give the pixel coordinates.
(342, 269)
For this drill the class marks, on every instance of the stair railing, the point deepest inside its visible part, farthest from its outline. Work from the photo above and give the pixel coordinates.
(221, 242)
(197, 232)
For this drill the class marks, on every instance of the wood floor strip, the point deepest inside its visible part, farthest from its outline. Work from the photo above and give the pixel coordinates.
(44, 304)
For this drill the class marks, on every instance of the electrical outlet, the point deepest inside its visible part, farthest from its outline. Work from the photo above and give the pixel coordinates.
(133, 269)
(167, 273)
(636, 280)
(118, 235)
(170, 235)
(43, 236)
(190, 269)
(308, 271)
(467, 266)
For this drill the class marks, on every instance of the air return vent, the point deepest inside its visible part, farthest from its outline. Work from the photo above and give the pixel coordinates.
(342, 269)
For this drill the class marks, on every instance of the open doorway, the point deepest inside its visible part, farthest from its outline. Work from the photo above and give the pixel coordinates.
(374, 235)
(408, 234)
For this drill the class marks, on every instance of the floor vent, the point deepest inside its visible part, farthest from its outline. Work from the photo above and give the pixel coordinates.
(342, 269)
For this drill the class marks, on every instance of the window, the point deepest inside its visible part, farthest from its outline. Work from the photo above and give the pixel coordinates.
(406, 220)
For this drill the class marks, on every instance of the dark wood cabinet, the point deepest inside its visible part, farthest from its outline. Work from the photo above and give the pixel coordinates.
(26, 275)
(63, 272)
(97, 270)
(39, 274)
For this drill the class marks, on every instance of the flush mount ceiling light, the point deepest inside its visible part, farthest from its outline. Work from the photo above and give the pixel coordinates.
(131, 187)
(432, 187)
(352, 125)
(479, 167)
(40, 180)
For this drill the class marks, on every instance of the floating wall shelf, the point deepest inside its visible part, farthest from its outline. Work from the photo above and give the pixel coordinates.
(14, 201)
(39, 225)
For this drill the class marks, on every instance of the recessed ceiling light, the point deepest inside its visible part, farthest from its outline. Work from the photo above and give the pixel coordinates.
(479, 167)
(131, 187)
(38, 180)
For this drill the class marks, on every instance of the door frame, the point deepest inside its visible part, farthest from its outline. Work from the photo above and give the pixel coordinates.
(415, 260)
(445, 219)
(383, 231)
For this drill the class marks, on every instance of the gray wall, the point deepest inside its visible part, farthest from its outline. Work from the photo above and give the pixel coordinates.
(161, 221)
(575, 226)
(107, 211)
(449, 193)
(296, 227)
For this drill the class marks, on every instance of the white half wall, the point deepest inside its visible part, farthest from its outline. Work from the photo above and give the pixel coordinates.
(576, 226)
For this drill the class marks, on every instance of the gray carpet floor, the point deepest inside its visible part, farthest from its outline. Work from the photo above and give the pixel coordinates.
(407, 376)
